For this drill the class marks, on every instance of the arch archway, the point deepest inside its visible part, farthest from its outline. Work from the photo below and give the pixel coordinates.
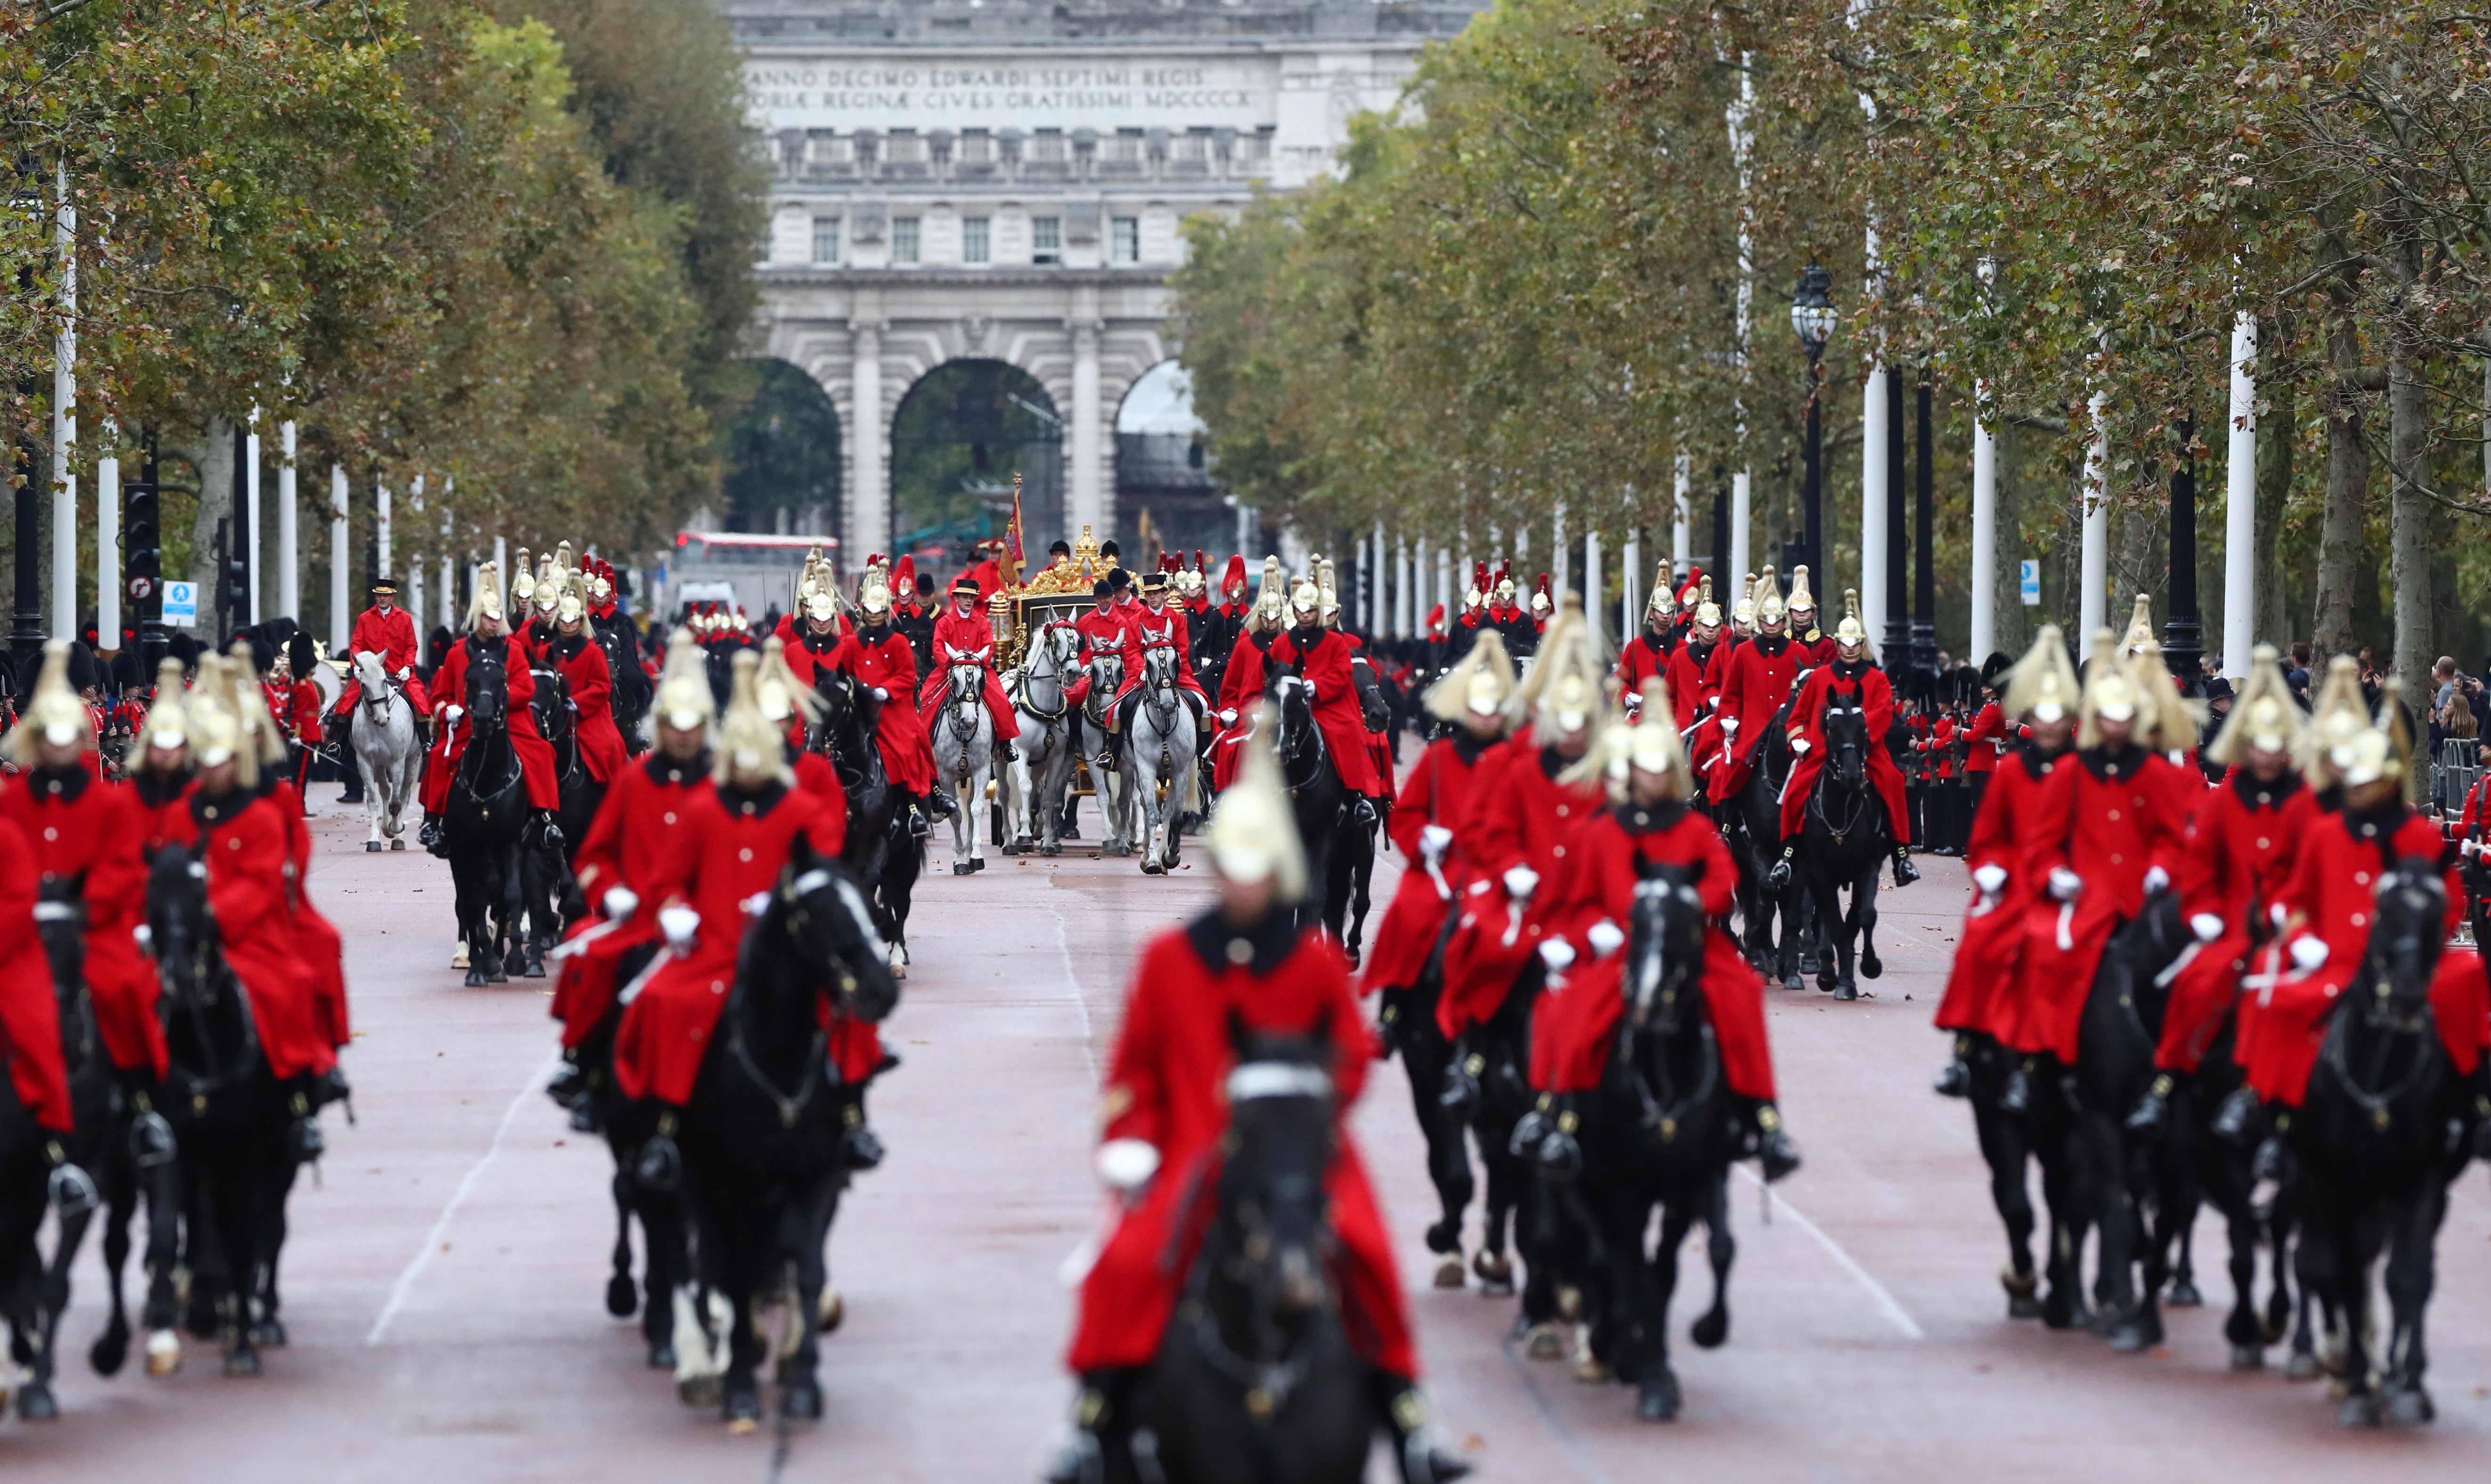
(1165, 495)
(957, 438)
(783, 451)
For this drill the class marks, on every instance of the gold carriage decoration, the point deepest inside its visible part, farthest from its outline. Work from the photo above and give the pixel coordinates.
(1054, 594)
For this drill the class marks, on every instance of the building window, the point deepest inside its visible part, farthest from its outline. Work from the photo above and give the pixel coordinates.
(826, 238)
(1046, 239)
(976, 240)
(905, 147)
(904, 239)
(1046, 147)
(977, 147)
(1128, 232)
(1125, 146)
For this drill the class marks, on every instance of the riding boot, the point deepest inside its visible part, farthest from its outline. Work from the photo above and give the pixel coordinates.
(2273, 1159)
(1779, 876)
(1462, 1093)
(549, 828)
(429, 836)
(860, 1148)
(1955, 1079)
(1362, 808)
(1553, 1145)
(939, 804)
(660, 1165)
(569, 1085)
(918, 828)
(1905, 873)
(70, 1189)
(2153, 1108)
(2017, 1097)
(331, 1087)
(2233, 1120)
(1424, 1457)
(304, 1140)
(1070, 826)
(1102, 1431)
(1774, 1153)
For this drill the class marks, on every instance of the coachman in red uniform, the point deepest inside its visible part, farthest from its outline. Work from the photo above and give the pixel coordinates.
(1157, 625)
(1647, 825)
(487, 635)
(877, 656)
(1166, 1112)
(1436, 800)
(2007, 883)
(963, 635)
(388, 630)
(1850, 678)
(2241, 847)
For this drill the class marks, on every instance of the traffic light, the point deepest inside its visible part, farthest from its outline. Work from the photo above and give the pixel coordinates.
(142, 541)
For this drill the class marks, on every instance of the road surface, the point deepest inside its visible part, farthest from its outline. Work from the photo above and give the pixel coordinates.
(445, 1276)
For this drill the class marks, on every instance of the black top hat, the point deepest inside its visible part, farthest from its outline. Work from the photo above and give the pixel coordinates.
(381, 585)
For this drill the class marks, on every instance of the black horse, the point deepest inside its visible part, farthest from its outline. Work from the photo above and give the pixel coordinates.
(627, 1123)
(2012, 1142)
(1661, 1132)
(229, 1121)
(2386, 1127)
(546, 883)
(1407, 1021)
(1316, 797)
(1844, 843)
(765, 1157)
(1754, 832)
(883, 853)
(1351, 872)
(1255, 1381)
(2218, 1170)
(633, 688)
(485, 822)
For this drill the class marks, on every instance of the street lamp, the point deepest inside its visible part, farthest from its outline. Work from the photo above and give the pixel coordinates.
(1812, 319)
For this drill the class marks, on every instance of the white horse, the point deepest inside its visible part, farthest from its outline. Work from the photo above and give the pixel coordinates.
(1105, 750)
(386, 752)
(1049, 744)
(964, 757)
(1158, 745)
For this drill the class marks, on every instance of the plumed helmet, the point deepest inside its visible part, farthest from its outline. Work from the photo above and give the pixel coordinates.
(523, 581)
(2110, 692)
(683, 699)
(2140, 625)
(2335, 722)
(2043, 687)
(216, 732)
(903, 578)
(2165, 721)
(551, 576)
(1564, 690)
(53, 712)
(1743, 612)
(1272, 599)
(1481, 682)
(873, 591)
(1851, 634)
(1436, 619)
(1663, 601)
(572, 606)
(1540, 596)
(782, 693)
(751, 748)
(487, 602)
(2263, 717)
(250, 704)
(1235, 576)
(2382, 749)
(1708, 613)
(1801, 600)
(1649, 745)
(1505, 585)
(1254, 831)
(1306, 599)
(1328, 590)
(168, 728)
(1768, 606)
(1480, 583)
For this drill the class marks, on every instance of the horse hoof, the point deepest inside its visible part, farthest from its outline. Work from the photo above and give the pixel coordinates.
(371, 847)
(243, 1364)
(2302, 1366)
(1588, 1372)
(2129, 1338)
(1870, 965)
(2360, 1411)
(621, 1297)
(459, 960)
(1846, 990)
(699, 1390)
(2184, 1295)
(834, 1312)
(1353, 956)
(110, 1349)
(800, 1402)
(1712, 1329)
(661, 1355)
(1825, 980)
(164, 1353)
(268, 1334)
(2410, 1408)
(476, 979)
(1790, 982)
(498, 976)
(35, 1404)
(1495, 1272)
(1151, 867)
(1448, 1271)
(1544, 1342)
(1051, 850)
(742, 1407)
(2023, 1306)
(1658, 1401)
(398, 844)
(961, 868)
(533, 971)
(2248, 1357)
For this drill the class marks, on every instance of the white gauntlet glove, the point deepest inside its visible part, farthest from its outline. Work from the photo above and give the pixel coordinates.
(620, 902)
(1605, 938)
(1729, 723)
(452, 715)
(2308, 953)
(677, 924)
(1126, 1165)
(2469, 848)
(1434, 840)
(1228, 718)
(2207, 926)
(2065, 883)
(1989, 878)
(2157, 880)
(1557, 954)
(1520, 882)
(1799, 746)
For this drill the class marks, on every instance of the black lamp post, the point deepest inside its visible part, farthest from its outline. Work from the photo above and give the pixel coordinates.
(1813, 318)
(2182, 636)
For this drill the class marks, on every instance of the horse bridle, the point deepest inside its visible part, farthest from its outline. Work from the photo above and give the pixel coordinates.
(1657, 1115)
(1859, 795)
(190, 1000)
(1044, 649)
(1293, 746)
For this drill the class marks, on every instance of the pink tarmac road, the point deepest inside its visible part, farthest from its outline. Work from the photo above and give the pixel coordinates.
(445, 1276)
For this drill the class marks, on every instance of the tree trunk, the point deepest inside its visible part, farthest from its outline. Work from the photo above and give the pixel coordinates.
(2348, 475)
(2274, 440)
(2409, 508)
(215, 464)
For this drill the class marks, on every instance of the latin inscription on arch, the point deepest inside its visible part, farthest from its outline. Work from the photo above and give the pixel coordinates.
(931, 94)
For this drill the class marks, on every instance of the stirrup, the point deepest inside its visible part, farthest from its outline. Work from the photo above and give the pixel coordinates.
(1954, 1080)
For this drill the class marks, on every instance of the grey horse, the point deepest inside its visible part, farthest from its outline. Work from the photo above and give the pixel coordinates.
(386, 751)
(1104, 750)
(1049, 744)
(1158, 746)
(964, 757)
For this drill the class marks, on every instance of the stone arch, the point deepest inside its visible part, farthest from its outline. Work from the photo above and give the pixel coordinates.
(959, 435)
(783, 456)
(1162, 468)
